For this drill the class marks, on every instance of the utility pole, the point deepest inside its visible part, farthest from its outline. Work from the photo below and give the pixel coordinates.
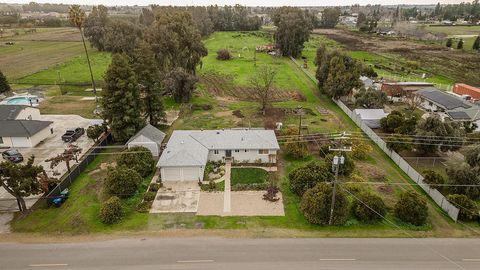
(336, 163)
(300, 112)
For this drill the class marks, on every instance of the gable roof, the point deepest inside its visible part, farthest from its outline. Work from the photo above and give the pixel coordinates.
(370, 114)
(443, 99)
(191, 147)
(22, 128)
(10, 112)
(151, 133)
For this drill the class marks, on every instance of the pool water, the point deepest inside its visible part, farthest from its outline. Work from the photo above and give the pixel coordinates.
(22, 100)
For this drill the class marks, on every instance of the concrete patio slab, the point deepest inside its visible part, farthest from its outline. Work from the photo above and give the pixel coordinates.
(177, 197)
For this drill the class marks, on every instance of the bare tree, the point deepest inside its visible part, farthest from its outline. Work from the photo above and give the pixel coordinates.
(71, 153)
(412, 100)
(262, 86)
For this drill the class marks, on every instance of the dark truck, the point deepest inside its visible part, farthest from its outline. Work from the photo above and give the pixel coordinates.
(72, 135)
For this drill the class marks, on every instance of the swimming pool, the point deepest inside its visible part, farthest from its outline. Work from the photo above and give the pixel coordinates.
(22, 100)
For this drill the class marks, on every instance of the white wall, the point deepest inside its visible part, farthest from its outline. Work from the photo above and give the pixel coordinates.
(29, 113)
(251, 155)
(40, 136)
(147, 143)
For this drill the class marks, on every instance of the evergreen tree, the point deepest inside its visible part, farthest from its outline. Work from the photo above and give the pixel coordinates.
(95, 26)
(180, 84)
(293, 30)
(460, 44)
(121, 99)
(4, 86)
(148, 76)
(449, 43)
(343, 76)
(476, 44)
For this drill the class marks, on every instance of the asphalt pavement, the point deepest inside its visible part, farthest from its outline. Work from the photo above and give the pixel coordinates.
(233, 254)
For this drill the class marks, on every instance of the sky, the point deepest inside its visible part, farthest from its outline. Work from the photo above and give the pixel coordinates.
(242, 2)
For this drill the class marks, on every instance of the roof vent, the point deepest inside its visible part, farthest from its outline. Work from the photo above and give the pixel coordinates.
(218, 132)
(182, 142)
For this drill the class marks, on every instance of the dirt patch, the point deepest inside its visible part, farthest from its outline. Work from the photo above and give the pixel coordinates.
(222, 85)
(371, 172)
(385, 189)
(456, 64)
(272, 116)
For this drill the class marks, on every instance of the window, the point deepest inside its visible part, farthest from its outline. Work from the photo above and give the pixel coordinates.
(215, 152)
(246, 150)
(237, 150)
(1, 140)
(263, 151)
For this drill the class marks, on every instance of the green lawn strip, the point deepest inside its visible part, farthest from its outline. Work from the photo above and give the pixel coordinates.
(248, 176)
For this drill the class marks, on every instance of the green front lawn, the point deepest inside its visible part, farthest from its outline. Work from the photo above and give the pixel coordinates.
(248, 176)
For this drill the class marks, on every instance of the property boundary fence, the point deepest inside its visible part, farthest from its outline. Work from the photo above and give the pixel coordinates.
(436, 196)
(68, 178)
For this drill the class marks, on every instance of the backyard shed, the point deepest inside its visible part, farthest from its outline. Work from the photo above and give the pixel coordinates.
(149, 137)
(371, 117)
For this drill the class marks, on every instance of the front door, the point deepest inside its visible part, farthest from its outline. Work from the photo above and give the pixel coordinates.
(228, 153)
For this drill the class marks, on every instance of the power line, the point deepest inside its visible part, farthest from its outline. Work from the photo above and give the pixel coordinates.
(405, 232)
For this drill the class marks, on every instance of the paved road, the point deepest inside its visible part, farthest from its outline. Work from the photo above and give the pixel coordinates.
(233, 254)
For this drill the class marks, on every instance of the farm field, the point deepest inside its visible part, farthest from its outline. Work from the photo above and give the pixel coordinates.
(455, 30)
(403, 59)
(221, 85)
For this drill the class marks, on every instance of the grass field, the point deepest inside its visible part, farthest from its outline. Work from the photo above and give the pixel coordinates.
(455, 30)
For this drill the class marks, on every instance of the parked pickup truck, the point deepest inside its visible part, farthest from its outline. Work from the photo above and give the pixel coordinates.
(72, 135)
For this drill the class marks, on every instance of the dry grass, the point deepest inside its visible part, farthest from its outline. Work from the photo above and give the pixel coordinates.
(68, 105)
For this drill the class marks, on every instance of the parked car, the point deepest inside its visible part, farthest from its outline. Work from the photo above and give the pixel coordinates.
(12, 155)
(72, 135)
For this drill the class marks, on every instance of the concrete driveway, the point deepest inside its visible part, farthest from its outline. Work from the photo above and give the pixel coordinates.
(177, 197)
(50, 147)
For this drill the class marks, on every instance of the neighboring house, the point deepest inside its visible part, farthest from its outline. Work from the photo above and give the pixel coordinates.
(367, 82)
(403, 89)
(465, 89)
(449, 105)
(188, 151)
(149, 137)
(371, 117)
(436, 100)
(20, 126)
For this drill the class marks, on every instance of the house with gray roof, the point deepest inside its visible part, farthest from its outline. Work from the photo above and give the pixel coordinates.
(149, 137)
(437, 100)
(188, 151)
(20, 126)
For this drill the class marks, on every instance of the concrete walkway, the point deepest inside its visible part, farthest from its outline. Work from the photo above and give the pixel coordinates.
(227, 201)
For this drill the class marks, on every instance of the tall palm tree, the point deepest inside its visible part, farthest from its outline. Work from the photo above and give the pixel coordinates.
(77, 18)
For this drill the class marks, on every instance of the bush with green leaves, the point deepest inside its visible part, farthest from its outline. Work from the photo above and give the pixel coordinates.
(411, 208)
(468, 208)
(472, 157)
(368, 207)
(139, 159)
(223, 54)
(463, 179)
(95, 131)
(316, 203)
(155, 186)
(433, 179)
(122, 182)
(111, 211)
(308, 176)
(149, 196)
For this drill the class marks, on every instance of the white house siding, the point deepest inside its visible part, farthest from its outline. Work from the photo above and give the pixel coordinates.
(187, 173)
(7, 142)
(20, 142)
(29, 113)
(147, 143)
(40, 136)
(248, 156)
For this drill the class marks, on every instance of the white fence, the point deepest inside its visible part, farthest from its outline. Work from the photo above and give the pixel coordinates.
(436, 196)
(441, 201)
